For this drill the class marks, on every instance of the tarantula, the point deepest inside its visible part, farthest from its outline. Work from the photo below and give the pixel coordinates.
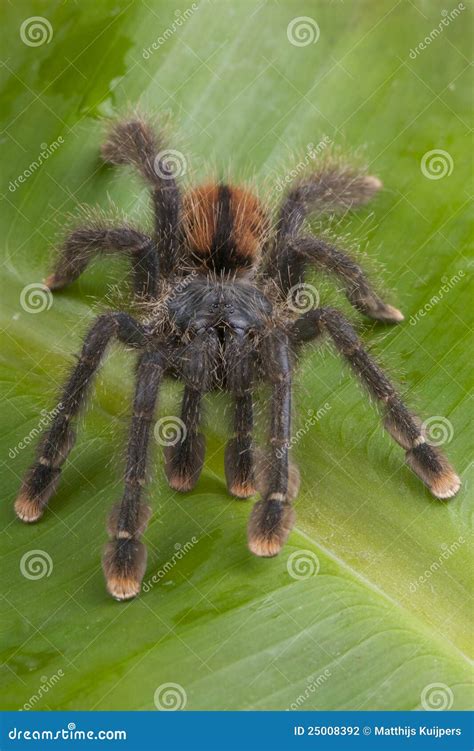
(219, 284)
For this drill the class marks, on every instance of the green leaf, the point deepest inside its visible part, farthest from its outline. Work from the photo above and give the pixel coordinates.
(387, 614)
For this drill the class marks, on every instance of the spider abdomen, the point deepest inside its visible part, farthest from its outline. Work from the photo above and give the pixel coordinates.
(224, 227)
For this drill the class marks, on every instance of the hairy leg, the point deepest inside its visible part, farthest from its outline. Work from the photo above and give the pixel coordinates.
(426, 461)
(42, 478)
(239, 453)
(184, 459)
(134, 142)
(333, 188)
(273, 517)
(124, 560)
(84, 243)
(300, 252)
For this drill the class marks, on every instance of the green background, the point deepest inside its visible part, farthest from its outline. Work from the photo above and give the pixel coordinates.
(236, 632)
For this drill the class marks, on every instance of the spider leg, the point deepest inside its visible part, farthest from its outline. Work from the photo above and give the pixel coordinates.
(124, 560)
(184, 458)
(425, 460)
(42, 478)
(239, 453)
(272, 518)
(333, 188)
(85, 242)
(301, 251)
(134, 142)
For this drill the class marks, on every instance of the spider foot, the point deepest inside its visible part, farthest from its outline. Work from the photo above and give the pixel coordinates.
(36, 491)
(239, 469)
(124, 564)
(53, 282)
(270, 523)
(434, 470)
(184, 462)
(27, 509)
(386, 314)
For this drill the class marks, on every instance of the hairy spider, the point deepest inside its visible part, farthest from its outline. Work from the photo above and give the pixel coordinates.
(219, 284)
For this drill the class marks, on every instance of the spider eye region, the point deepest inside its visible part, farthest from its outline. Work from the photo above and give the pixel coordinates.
(224, 226)
(206, 305)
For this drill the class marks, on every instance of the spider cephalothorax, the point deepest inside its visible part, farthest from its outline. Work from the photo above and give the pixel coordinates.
(218, 287)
